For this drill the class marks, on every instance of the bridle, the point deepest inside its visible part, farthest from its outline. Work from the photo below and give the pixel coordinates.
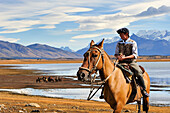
(101, 55)
(94, 68)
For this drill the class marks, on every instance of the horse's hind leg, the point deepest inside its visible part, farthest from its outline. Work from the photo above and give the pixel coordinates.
(146, 104)
(118, 108)
(139, 106)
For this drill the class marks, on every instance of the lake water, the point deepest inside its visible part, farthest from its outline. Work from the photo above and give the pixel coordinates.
(159, 73)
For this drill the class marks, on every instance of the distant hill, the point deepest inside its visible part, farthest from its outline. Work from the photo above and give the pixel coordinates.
(146, 46)
(45, 51)
(13, 50)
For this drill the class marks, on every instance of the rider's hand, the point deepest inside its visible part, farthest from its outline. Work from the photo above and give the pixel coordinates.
(121, 57)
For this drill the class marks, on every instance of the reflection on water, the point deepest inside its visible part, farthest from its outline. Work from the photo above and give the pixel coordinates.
(53, 69)
(159, 73)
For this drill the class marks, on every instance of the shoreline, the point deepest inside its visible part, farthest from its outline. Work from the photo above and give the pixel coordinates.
(43, 61)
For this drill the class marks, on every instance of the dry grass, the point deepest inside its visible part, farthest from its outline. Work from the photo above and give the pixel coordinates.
(34, 61)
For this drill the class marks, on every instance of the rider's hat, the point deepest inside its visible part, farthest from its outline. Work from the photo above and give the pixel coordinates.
(123, 30)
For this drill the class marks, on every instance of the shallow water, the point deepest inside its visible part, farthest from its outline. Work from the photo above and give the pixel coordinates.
(53, 69)
(159, 73)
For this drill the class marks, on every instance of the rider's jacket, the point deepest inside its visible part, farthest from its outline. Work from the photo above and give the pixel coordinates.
(128, 47)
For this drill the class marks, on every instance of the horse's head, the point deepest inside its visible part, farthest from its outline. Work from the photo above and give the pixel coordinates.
(92, 61)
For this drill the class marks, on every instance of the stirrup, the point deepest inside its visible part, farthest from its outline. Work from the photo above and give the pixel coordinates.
(101, 97)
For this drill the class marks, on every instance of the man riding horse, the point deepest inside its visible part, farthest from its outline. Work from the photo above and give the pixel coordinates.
(126, 52)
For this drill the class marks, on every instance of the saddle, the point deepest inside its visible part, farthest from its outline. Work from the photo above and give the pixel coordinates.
(128, 71)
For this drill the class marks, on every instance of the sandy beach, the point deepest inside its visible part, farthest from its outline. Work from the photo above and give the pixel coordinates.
(20, 78)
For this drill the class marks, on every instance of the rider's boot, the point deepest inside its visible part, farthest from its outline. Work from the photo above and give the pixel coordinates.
(142, 84)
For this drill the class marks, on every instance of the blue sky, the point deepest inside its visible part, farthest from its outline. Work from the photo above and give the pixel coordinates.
(75, 23)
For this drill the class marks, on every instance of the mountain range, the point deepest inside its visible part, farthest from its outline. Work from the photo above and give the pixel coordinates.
(13, 50)
(150, 42)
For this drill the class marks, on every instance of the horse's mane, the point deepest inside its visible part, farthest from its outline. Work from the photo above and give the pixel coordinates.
(103, 50)
(107, 54)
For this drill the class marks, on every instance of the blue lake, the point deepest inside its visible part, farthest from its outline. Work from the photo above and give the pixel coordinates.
(159, 73)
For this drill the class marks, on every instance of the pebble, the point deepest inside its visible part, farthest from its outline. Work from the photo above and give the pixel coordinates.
(35, 111)
(45, 109)
(23, 109)
(20, 111)
(2, 105)
(75, 107)
(32, 105)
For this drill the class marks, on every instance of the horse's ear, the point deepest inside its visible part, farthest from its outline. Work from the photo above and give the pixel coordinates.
(92, 43)
(101, 44)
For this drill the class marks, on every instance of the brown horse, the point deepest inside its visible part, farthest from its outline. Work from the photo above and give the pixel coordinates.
(117, 92)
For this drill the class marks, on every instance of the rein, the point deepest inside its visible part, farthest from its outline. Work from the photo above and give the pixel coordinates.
(101, 84)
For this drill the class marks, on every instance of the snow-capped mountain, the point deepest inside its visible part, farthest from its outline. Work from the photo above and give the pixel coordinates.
(150, 42)
(154, 34)
(110, 40)
(66, 49)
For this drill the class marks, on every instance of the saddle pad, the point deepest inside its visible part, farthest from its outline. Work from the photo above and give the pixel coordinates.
(126, 72)
(124, 69)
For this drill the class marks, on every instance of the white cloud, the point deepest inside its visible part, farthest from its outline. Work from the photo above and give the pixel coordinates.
(23, 15)
(121, 19)
(9, 39)
(72, 40)
(85, 36)
(15, 30)
(91, 35)
(112, 21)
(151, 11)
(135, 9)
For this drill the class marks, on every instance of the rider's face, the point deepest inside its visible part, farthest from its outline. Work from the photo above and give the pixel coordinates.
(124, 36)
